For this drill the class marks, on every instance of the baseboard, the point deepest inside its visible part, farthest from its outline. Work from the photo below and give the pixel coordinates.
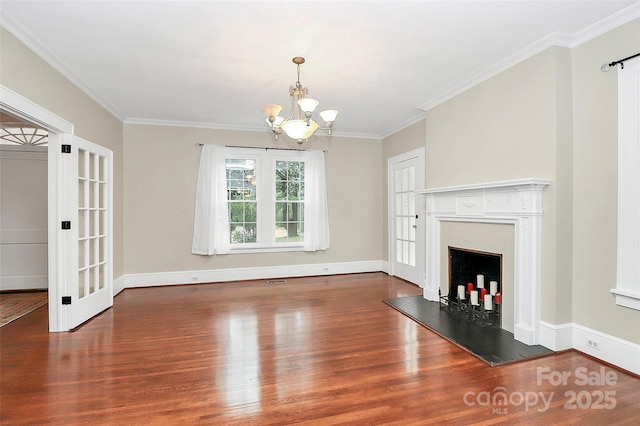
(608, 348)
(556, 337)
(118, 285)
(24, 282)
(605, 347)
(255, 273)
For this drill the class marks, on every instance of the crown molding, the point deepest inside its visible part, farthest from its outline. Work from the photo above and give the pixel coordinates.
(607, 24)
(554, 39)
(193, 124)
(36, 45)
(218, 126)
(411, 121)
(561, 39)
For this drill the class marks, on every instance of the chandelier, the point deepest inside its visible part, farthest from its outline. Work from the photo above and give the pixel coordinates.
(298, 125)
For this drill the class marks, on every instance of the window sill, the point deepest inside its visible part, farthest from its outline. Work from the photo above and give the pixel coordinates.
(626, 298)
(265, 249)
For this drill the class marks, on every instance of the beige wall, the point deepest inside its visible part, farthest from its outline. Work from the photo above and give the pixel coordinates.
(22, 71)
(595, 187)
(161, 166)
(408, 139)
(507, 128)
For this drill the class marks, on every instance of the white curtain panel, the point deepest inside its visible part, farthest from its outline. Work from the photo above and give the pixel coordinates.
(316, 211)
(211, 224)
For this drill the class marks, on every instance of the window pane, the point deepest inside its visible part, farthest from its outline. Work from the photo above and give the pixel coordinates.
(281, 210)
(289, 232)
(241, 193)
(243, 233)
(289, 185)
(251, 212)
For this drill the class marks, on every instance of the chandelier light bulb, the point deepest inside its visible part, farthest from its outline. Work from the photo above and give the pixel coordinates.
(308, 104)
(295, 129)
(329, 115)
(272, 110)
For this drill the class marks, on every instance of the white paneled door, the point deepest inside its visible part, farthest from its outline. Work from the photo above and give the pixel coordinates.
(406, 217)
(84, 229)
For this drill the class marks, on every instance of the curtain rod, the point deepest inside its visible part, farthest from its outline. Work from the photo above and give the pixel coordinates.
(607, 67)
(258, 147)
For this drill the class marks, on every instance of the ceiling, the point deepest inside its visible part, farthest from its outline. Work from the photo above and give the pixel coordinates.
(215, 63)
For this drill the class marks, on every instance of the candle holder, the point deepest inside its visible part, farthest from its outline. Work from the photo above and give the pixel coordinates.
(475, 314)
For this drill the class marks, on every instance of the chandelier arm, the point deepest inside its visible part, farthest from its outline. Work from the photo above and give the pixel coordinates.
(293, 101)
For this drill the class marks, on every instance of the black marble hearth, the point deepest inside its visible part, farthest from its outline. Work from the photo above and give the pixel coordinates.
(492, 345)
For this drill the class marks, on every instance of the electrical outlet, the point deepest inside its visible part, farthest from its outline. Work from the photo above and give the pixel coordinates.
(326, 269)
(593, 344)
(194, 278)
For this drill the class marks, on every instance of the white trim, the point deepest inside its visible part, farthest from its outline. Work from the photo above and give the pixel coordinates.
(256, 273)
(556, 337)
(220, 126)
(515, 202)
(627, 288)
(417, 154)
(118, 285)
(555, 39)
(193, 124)
(611, 349)
(605, 347)
(607, 24)
(38, 47)
(27, 110)
(503, 184)
(409, 122)
(561, 39)
(628, 299)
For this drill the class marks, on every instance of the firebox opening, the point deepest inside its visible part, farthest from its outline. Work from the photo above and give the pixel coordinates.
(472, 275)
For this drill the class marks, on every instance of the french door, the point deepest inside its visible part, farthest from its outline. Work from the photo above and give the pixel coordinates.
(406, 217)
(83, 228)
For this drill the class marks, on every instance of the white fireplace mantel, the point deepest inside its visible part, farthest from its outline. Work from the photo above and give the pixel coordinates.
(517, 202)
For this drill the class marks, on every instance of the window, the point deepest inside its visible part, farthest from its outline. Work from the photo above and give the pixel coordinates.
(265, 198)
(627, 289)
(269, 200)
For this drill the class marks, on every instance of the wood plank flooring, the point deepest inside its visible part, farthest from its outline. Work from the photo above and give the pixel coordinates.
(318, 350)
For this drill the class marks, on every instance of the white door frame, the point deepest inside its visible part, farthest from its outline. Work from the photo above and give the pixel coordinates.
(27, 110)
(419, 154)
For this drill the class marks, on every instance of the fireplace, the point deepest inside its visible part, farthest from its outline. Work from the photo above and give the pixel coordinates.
(475, 286)
(515, 202)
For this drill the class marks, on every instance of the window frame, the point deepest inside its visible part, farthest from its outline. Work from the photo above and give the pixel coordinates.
(627, 290)
(265, 198)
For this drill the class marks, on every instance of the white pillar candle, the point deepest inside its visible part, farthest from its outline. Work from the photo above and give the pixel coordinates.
(493, 287)
(461, 292)
(480, 281)
(474, 297)
(488, 302)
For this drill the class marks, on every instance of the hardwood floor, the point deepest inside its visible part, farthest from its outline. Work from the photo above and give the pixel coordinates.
(320, 350)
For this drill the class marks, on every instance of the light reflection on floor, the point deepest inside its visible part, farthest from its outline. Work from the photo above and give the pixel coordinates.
(240, 377)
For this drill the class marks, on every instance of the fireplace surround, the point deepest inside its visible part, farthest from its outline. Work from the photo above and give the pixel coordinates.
(516, 202)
